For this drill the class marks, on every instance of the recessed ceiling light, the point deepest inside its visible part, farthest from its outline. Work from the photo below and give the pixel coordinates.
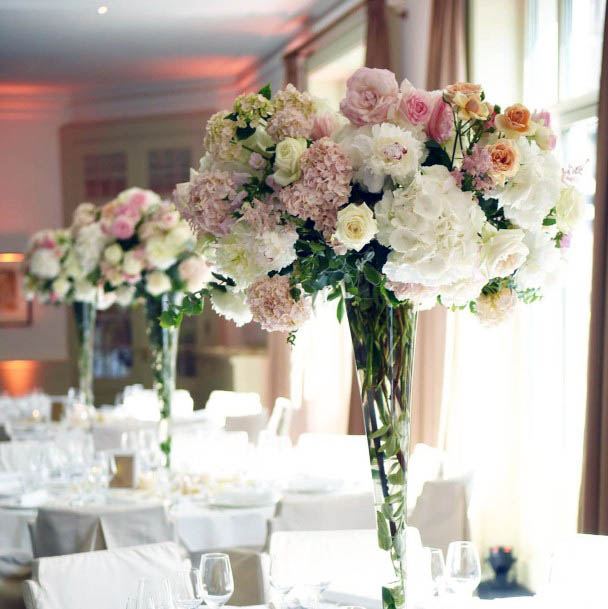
(102, 10)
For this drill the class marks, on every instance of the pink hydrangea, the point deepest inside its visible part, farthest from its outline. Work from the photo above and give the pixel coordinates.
(273, 306)
(213, 197)
(324, 125)
(262, 215)
(324, 187)
(441, 122)
(289, 122)
(478, 162)
(370, 95)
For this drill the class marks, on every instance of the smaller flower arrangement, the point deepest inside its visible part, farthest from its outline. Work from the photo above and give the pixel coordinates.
(150, 250)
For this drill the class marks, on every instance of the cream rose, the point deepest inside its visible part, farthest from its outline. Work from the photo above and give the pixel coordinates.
(84, 214)
(132, 264)
(287, 160)
(515, 121)
(195, 273)
(503, 253)
(157, 283)
(125, 295)
(113, 254)
(44, 263)
(356, 226)
(84, 291)
(569, 209)
(160, 253)
(61, 286)
(504, 157)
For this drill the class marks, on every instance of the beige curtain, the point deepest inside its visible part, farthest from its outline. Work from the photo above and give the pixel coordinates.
(377, 52)
(593, 515)
(447, 43)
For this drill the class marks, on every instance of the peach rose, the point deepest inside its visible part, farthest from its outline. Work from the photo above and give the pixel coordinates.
(466, 98)
(504, 158)
(462, 88)
(515, 121)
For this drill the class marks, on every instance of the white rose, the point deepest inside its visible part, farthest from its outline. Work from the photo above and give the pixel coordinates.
(569, 209)
(160, 253)
(61, 286)
(113, 254)
(125, 295)
(356, 226)
(287, 160)
(132, 264)
(180, 235)
(545, 138)
(493, 309)
(259, 141)
(89, 246)
(44, 263)
(157, 283)
(195, 273)
(105, 299)
(503, 253)
(84, 291)
(231, 305)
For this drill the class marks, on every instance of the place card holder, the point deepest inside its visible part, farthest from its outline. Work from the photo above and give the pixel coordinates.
(126, 471)
(57, 411)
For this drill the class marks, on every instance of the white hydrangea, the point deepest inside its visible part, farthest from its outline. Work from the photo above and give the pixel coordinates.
(161, 253)
(89, 245)
(460, 293)
(382, 151)
(542, 261)
(246, 256)
(433, 230)
(84, 291)
(232, 305)
(44, 263)
(530, 195)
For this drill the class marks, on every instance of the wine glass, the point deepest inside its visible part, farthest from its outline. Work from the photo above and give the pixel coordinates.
(463, 570)
(152, 594)
(216, 575)
(437, 570)
(280, 578)
(187, 589)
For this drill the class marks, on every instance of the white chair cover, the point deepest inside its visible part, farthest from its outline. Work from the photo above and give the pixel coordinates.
(98, 580)
(83, 529)
(325, 512)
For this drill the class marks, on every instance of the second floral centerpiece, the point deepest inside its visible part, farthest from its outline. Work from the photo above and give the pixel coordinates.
(403, 200)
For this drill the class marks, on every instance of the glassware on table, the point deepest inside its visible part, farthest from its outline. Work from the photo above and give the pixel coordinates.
(281, 579)
(216, 576)
(154, 594)
(463, 570)
(187, 589)
(437, 571)
(131, 603)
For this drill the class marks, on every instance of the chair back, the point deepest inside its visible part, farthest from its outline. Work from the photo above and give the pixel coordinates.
(279, 422)
(98, 580)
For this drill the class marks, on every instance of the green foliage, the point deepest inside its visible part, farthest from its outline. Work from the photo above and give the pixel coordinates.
(436, 155)
(266, 91)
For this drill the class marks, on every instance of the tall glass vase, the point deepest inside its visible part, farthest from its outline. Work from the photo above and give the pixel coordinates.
(163, 349)
(85, 315)
(383, 340)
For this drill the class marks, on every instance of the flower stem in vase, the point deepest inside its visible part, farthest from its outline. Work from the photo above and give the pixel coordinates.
(85, 315)
(163, 347)
(383, 340)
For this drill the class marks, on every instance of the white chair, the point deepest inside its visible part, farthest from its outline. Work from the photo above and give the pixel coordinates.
(241, 411)
(98, 580)
(345, 457)
(578, 572)
(279, 422)
(349, 559)
(325, 512)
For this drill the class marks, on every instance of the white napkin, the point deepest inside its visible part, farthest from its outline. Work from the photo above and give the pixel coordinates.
(34, 499)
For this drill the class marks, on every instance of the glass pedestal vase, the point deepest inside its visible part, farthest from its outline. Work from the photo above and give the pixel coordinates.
(163, 350)
(383, 339)
(85, 315)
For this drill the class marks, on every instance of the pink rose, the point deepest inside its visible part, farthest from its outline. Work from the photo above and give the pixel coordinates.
(543, 117)
(122, 228)
(324, 125)
(370, 94)
(439, 127)
(416, 106)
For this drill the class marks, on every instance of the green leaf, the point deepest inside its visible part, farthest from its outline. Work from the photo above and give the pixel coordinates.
(372, 275)
(266, 91)
(340, 310)
(384, 535)
(437, 155)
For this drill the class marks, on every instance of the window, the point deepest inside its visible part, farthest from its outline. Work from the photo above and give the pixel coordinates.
(168, 167)
(105, 175)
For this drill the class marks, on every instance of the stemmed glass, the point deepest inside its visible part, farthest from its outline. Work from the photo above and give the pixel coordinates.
(216, 575)
(187, 589)
(437, 571)
(154, 595)
(463, 570)
(280, 579)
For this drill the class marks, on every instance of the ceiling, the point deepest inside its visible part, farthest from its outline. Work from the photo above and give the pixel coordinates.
(67, 44)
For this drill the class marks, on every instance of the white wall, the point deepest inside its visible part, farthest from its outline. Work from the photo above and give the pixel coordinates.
(31, 200)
